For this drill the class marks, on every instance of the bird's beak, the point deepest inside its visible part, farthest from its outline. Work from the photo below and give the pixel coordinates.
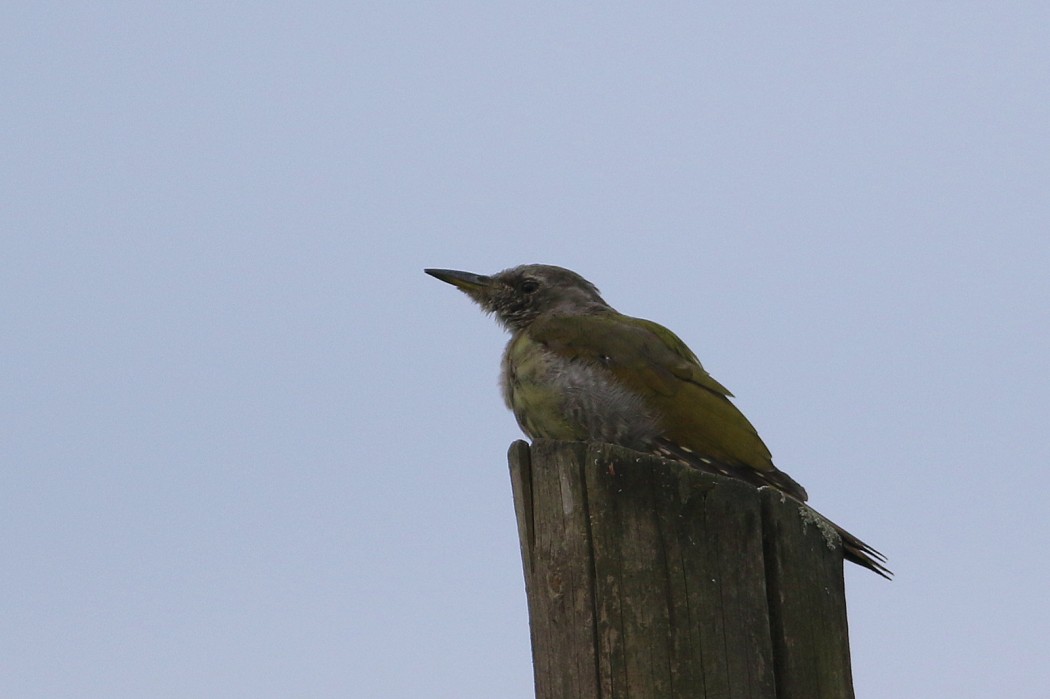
(466, 281)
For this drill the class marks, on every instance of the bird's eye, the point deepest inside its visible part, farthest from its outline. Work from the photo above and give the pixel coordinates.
(529, 286)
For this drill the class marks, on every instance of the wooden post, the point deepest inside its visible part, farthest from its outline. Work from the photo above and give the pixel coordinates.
(650, 580)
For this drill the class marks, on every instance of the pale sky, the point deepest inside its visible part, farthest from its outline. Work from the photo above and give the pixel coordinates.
(249, 449)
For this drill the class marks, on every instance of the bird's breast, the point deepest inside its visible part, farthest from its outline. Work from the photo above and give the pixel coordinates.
(558, 397)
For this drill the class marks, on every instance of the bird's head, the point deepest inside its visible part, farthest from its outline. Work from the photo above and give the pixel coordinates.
(519, 295)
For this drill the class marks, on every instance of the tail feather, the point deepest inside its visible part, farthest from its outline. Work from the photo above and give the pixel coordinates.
(856, 551)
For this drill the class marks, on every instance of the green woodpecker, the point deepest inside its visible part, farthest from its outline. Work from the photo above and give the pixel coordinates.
(575, 369)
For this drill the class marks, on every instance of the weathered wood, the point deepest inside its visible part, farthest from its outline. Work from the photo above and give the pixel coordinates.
(559, 569)
(648, 580)
(807, 601)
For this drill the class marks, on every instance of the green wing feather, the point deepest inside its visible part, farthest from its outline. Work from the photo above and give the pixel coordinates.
(695, 409)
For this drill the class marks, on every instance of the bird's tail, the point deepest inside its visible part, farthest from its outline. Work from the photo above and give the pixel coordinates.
(856, 551)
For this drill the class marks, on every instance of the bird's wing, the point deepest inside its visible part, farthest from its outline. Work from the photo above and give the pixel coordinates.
(688, 367)
(694, 409)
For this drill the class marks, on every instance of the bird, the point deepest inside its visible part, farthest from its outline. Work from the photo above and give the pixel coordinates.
(576, 369)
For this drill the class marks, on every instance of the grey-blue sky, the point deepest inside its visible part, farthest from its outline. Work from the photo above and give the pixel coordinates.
(249, 449)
